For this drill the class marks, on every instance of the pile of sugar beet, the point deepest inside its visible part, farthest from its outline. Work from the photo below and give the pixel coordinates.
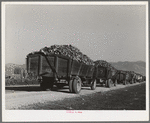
(67, 50)
(102, 63)
(73, 53)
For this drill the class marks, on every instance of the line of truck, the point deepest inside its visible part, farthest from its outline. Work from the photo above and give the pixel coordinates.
(60, 70)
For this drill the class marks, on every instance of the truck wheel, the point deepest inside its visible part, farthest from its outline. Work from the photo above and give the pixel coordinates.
(77, 85)
(106, 83)
(124, 82)
(115, 84)
(127, 82)
(93, 86)
(70, 86)
(131, 82)
(109, 83)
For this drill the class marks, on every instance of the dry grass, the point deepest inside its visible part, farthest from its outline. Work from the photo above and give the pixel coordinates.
(17, 79)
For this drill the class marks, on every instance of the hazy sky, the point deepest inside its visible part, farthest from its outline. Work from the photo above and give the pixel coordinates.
(105, 32)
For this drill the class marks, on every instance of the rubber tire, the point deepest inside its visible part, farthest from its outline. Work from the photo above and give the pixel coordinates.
(93, 86)
(71, 86)
(109, 83)
(115, 84)
(127, 82)
(76, 88)
(106, 83)
(131, 82)
(124, 82)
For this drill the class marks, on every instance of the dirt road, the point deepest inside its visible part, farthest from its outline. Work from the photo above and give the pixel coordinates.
(20, 97)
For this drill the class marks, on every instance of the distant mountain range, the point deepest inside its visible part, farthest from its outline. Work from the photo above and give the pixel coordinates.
(138, 67)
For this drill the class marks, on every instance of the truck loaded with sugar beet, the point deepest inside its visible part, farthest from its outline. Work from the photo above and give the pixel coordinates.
(105, 73)
(62, 65)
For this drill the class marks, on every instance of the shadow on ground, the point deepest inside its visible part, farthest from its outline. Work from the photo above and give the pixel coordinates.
(24, 88)
(33, 88)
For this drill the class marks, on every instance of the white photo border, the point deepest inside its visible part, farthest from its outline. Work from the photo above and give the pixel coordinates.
(60, 115)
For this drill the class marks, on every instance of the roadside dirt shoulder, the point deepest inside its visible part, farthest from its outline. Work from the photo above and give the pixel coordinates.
(15, 100)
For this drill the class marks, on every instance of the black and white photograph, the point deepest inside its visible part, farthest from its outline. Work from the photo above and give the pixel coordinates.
(75, 61)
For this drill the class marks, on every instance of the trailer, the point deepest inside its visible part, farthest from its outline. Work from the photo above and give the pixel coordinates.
(144, 78)
(139, 77)
(104, 74)
(132, 77)
(55, 69)
(114, 76)
(122, 77)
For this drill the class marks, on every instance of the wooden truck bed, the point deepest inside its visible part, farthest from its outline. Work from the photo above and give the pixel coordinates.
(63, 66)
(103, 72)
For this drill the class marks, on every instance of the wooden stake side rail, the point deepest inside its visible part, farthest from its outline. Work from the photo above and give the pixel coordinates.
(63, 67)
(103, 73)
